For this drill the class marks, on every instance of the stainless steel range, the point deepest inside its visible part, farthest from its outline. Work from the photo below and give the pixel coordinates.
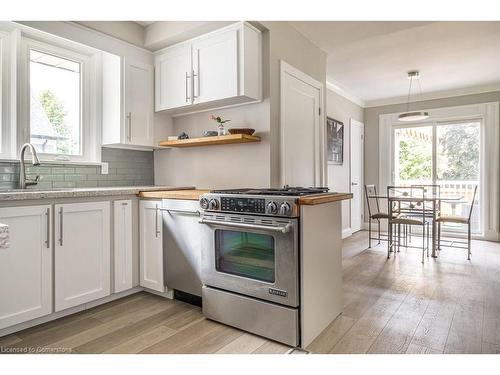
(250, 260)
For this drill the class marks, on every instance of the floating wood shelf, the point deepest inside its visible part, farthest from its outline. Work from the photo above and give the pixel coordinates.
(209, 141)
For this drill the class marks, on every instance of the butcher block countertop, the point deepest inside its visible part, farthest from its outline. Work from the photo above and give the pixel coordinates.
(189, 194)
(310, 200)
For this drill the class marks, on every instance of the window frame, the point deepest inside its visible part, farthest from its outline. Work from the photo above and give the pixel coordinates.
(89, 126)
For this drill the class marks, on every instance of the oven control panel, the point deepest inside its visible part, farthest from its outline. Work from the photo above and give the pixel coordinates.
(268, 206)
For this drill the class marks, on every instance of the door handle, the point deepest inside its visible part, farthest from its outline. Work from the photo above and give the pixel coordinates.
(280, 229)
(187, 85)
(178, 211)
(157, 231)
(196, 83)
(129, 126)
(61, 226)
(354, 183)
(47, 242)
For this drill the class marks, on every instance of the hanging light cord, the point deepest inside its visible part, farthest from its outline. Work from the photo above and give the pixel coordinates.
(409, 94)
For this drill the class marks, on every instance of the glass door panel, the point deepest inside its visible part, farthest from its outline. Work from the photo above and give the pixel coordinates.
(458, 165)
(413, 155)
(246, 254)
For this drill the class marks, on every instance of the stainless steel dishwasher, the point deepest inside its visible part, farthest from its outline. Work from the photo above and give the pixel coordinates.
(182, 245)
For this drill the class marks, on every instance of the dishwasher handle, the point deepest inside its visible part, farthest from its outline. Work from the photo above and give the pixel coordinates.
(280, 229)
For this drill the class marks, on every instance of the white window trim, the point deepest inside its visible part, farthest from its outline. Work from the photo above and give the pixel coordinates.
(489, 114)
(90, 123)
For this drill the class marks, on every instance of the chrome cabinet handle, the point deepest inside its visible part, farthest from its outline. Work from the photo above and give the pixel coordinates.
(47, 242)
(187, 85)
(354, 184)
(129, 128)
(177, 211)
(281, 229)
(61, 226)
(156, 222)
(196, 83)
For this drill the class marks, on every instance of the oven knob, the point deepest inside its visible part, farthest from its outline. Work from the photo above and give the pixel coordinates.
(213, 204)
(271, 208)
(204, 203)
(284, 208)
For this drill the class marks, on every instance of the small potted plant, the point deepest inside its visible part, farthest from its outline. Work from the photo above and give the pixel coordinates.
(220, 121)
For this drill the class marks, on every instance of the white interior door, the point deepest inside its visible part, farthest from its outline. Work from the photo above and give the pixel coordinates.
(301, 128)
(356, 143)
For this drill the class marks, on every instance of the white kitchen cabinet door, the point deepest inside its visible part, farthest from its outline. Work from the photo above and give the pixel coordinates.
(215, 67)
(82, 253)
(138, 97)
(173, 81)
(151, 246)
(122, 245)
(26, 265)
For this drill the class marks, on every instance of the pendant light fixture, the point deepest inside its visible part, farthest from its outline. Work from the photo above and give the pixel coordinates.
(413, 115)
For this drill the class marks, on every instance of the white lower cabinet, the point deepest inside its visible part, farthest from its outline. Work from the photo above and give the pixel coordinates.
(82, 253)
(26, 265)
(151, 245)
(123, 245)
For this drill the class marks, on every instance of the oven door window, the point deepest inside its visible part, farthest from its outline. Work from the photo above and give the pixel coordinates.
(246, 254)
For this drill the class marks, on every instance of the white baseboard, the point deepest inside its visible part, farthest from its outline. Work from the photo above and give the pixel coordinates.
(346, 233)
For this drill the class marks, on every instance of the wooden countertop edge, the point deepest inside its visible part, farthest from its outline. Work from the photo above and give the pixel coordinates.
(311, 200)
(188, 194)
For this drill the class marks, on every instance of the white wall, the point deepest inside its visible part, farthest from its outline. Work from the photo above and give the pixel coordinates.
(339, 176)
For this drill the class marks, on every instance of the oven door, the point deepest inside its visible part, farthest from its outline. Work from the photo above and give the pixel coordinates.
(251, 255)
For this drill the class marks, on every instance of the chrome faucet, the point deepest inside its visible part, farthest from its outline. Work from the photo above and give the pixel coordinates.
(23, 181)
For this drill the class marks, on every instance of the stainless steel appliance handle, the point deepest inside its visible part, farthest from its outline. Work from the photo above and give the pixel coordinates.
(178, 211)
(47, 242)
(61, 226)
(281, 229)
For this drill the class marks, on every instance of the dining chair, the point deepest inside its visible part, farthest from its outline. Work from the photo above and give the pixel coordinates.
(458, 220)
(402, 201)
(374, 213)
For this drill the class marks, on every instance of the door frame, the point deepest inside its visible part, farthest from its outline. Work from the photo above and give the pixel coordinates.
(489, 114)
(320, 164)
(362, 178)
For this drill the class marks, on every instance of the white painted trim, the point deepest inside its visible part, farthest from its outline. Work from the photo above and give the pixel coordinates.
(346, 233)
(435, 95)
(320, 171)
(338, 89)
(362, 181)
(489, 114)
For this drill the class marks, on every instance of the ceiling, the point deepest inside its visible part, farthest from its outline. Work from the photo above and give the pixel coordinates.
(369, 60)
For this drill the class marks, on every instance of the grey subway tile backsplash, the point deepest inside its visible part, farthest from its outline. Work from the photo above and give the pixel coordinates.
(126, 168)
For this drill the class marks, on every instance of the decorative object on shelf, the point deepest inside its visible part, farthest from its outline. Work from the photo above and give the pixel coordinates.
(248, 131)
(183, 135)
(172, 137)
(210, 133)
(220, 127)
(413, 115)
(335, 141)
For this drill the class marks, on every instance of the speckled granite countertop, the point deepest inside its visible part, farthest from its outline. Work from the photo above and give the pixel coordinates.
(18, 194)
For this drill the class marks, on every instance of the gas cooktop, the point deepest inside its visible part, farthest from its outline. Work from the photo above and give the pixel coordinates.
(285, 191)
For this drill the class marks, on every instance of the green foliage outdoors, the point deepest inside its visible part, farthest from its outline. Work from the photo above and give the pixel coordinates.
(57, 115)
(457, 159)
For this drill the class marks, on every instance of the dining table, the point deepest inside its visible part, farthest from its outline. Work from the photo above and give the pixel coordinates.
(433, 198)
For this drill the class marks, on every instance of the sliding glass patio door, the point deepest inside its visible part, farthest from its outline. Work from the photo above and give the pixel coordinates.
(445, 153)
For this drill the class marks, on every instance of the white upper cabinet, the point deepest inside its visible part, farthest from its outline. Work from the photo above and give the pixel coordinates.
(82, 253)
(127, 97)
(26, 265)
(217, 69)
(173, 81)
(138, 90)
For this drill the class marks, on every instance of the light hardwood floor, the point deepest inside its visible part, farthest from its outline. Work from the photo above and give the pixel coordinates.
(447, 305)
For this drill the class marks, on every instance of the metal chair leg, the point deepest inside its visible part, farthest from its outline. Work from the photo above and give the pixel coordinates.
(399, 237)
(439, 235)
(378, 231)
(468, 241)
(369, 233)
(389, 240)
(428, 234)
(423, 242)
